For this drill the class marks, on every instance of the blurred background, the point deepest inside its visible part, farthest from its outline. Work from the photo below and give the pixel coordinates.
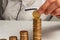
(18, 10)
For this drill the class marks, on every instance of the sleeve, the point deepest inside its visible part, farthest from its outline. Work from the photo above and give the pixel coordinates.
(1, 8)
(4, 4)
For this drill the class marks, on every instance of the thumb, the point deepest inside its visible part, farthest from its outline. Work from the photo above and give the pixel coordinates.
(43, 7)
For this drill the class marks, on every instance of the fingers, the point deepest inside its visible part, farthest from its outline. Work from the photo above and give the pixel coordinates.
(58, 1)
(51, 8)
(51, 1)
(43, 7)
(58, 16)
(56, 13)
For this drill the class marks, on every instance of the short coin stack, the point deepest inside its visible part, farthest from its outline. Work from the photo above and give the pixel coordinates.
(24, 35)
(12, 38)
(3, 39)
(36, 26)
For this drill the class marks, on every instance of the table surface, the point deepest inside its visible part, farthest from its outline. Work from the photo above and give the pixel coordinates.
(50, 29)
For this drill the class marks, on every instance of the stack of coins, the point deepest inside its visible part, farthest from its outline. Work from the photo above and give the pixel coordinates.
(37, 29)
(12, 38)
(24, 35)
(3, 39)
(36, 26)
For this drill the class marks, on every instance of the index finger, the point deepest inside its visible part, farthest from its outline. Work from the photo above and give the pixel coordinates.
(43, 7)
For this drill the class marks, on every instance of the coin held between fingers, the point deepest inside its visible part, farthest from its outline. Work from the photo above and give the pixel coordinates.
(36, 15)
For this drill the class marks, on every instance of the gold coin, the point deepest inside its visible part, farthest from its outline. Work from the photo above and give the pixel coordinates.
(3, 39)
(36, 15)
(13, 38)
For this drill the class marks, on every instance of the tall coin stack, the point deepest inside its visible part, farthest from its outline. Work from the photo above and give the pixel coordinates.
(36, 26)
(23, 35)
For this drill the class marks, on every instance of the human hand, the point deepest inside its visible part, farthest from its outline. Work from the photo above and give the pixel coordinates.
(50, 7)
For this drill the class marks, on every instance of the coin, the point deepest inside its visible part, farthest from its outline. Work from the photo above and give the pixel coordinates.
(23, 35)
(3, 39)
(12, 38)
(36, 15)
(37, 29)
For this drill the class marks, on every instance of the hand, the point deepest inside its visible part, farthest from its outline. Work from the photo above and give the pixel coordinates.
(50, 7)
